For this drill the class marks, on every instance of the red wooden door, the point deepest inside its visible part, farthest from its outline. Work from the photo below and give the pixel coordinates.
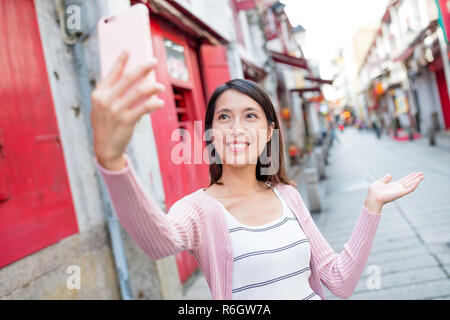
(36, 208)
(184, 104)
(443, 95)
(214, 66)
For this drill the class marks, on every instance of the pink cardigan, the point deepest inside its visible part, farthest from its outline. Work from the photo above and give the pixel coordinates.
(196, 223)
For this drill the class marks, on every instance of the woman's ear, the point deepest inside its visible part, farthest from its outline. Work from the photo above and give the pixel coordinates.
(271, 127)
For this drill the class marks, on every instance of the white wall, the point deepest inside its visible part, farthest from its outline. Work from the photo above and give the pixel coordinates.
(216, 14)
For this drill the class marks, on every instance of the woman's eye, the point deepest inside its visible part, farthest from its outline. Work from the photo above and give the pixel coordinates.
(224, 115)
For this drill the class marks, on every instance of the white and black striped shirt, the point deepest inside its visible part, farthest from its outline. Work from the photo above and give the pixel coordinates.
(271, 261)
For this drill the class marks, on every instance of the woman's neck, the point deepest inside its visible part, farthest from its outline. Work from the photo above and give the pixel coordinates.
(240, 180)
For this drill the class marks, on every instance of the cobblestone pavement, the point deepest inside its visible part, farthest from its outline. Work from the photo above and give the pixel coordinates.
(411, 251)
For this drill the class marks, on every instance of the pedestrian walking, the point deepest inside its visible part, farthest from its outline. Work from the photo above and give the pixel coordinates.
(333, 133)
(249, 230)
(376, 126)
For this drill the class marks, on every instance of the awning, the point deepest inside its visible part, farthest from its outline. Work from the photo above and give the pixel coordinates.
(318, 80)
(404, 55)
(289, 60)
(419, 39)
(252, 71)
(184, 19)
(303, 90)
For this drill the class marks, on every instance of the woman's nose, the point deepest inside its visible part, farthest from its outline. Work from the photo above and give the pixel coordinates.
(237, 130)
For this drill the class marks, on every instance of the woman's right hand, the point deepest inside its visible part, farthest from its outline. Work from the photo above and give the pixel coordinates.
(113, 114)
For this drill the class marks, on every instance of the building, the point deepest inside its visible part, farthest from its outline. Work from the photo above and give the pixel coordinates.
(402, 78)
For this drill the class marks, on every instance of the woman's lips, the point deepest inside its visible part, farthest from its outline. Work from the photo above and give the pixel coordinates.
(238, 147)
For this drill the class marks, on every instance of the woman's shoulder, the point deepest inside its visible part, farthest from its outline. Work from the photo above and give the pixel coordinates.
(197, 200)
(291, 191)
(286, 187)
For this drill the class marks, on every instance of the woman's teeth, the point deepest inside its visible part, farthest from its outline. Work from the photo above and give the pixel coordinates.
(238, 146)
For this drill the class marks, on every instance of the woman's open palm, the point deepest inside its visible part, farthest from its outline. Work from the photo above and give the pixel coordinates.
(384, 191)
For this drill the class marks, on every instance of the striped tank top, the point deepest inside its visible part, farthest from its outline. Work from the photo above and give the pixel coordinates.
(271, 261)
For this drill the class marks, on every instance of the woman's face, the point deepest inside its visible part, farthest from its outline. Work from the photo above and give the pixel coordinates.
(240, 131)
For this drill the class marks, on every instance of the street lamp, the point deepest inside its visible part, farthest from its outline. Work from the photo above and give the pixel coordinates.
(299, 34)
(278, 7)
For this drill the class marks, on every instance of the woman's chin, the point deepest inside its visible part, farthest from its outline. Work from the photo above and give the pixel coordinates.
(237, 165)
(239, 162)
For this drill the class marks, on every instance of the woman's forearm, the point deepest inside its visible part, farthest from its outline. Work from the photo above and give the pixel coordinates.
(158, 234)
(373, 205)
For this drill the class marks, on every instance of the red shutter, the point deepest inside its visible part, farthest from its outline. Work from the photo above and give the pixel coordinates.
(214, 67)
(36, 208)
(244, 4)
(444, 97)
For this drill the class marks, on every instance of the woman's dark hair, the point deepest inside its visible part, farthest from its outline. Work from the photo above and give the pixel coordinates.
(257, 93)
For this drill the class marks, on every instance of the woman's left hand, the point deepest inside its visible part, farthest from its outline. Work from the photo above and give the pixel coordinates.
(382, 192)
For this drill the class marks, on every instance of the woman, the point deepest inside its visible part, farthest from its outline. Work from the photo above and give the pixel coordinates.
(250, 230)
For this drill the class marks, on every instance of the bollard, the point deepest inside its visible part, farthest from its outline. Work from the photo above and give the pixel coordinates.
(431, 136)
(312, 188)
(433, 127)
(320, 162)
(327, 145)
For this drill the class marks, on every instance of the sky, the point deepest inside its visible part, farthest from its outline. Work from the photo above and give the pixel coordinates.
(330, 23)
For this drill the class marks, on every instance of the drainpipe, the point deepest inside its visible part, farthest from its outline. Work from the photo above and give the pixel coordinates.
(75, 41)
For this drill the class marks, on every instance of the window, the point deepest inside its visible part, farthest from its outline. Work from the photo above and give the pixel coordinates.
(176, 63)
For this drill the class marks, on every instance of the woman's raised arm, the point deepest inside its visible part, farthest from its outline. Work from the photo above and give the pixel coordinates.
(116, 108)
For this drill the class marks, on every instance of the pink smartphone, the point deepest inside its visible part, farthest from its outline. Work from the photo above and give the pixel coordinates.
(129, 30)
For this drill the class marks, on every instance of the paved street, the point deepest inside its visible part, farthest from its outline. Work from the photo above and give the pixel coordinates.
(411, 250)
